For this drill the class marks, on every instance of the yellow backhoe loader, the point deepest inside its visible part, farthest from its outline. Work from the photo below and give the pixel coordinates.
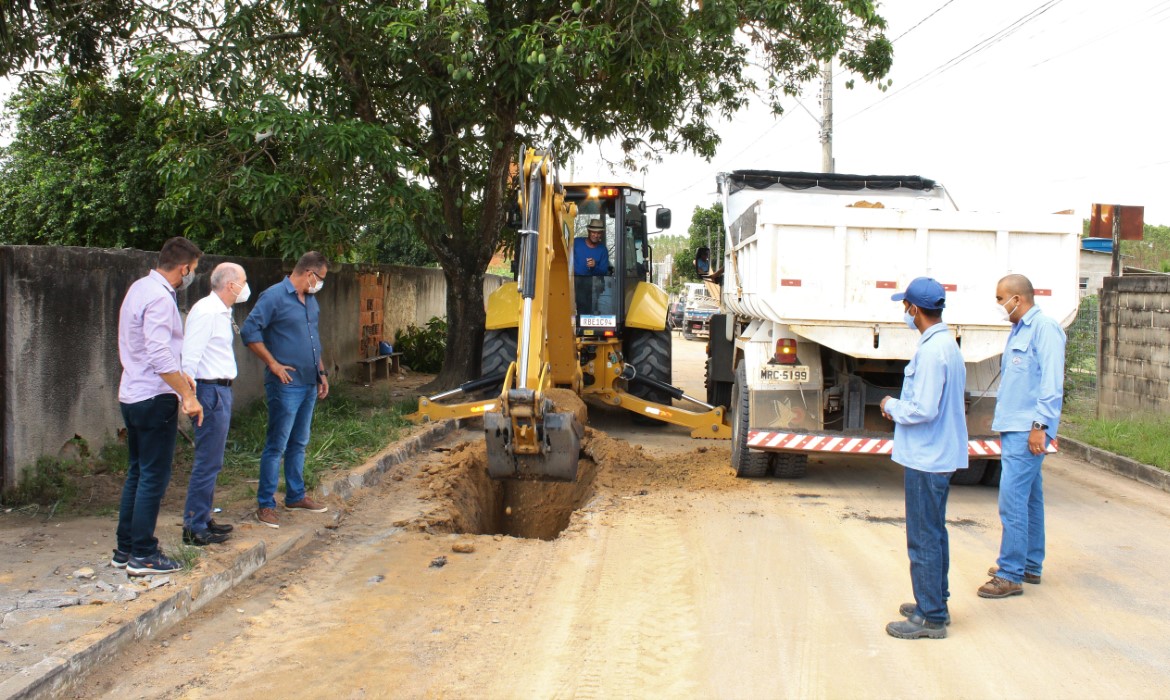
(580, 316)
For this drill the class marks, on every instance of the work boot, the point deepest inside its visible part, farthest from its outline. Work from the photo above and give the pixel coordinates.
(909, 609)
(916, 627)
(1028, 578)
(999, 587)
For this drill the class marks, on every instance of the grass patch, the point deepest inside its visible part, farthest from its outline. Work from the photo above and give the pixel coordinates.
(50, 483)
(349, 426)
(1146, 440)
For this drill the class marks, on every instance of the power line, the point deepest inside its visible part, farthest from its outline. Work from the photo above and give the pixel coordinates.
(919, 24)
(973, 50)
(1151, 12)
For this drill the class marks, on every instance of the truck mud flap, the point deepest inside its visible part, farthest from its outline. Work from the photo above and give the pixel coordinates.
(560, 444)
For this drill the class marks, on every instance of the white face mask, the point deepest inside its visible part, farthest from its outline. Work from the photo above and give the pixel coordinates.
(1004, 313)
(909, 319)
(244, 295)
(187, 280)
(317, 287)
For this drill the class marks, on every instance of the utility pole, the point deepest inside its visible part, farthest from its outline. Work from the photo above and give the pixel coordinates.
(827, 118)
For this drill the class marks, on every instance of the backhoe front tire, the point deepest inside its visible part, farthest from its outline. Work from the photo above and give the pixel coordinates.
(649, 352)
(747, 463)
(499, 351)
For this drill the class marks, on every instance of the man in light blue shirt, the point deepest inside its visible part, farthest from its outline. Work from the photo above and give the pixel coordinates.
(1027, 415)
(930, 441)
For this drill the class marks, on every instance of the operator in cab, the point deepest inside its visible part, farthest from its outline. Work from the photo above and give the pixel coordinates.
(703, 266)
(590, 256)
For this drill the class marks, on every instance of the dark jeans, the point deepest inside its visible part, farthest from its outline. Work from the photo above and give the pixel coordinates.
(151, 427)
(210, 441)
(926, 541)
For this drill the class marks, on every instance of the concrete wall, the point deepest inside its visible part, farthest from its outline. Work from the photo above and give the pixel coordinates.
(59, 368)
(1134, 356)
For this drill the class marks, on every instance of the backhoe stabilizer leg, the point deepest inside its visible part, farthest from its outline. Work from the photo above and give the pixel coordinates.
(560, 444)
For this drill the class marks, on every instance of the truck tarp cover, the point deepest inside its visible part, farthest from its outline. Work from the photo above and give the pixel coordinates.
(763, 179)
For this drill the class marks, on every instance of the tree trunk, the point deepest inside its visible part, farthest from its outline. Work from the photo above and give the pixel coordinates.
(465, 320)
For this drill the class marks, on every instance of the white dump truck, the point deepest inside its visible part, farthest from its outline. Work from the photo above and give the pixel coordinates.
(807, 341)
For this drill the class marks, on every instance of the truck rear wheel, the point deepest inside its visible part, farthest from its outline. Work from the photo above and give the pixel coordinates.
(992, 473)
(649, 353)
(789, 465)
(972, 475)
(718, 393)
(747, 463)
(499, 351)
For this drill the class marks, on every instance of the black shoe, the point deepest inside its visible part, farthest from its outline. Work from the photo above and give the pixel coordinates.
(203, 537)
(217, 528)
(914, 627)
(908, 609)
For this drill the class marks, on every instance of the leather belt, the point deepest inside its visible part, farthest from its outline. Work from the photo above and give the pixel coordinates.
(220, 382)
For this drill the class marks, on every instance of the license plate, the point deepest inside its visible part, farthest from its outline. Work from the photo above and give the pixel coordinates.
(793, 374)
(598, 321)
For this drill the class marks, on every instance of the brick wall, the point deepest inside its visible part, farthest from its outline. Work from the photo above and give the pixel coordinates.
(1134, 356)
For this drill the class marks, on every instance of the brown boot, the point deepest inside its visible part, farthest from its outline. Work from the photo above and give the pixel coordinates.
(1000, 588)
(267, 516)
(1028, 578)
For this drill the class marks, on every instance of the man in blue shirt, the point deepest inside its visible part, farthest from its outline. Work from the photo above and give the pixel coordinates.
(282, 331)
(1027, 414)
(930, 440)
(590, 262)
(590, 256)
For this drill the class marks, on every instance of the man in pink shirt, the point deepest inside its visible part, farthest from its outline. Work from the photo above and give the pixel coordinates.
(150, 342)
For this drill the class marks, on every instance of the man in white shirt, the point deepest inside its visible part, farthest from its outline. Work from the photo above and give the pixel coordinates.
(208, 356)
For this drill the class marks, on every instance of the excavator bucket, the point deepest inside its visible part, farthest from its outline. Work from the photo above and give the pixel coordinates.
(558, 438)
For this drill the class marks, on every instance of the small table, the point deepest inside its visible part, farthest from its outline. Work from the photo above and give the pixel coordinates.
(390, 362)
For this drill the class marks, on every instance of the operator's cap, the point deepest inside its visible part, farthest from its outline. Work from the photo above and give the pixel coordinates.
(925, 293)
(596, 225)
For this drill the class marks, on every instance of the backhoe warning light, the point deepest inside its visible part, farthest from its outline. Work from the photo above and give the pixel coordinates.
(603, 192)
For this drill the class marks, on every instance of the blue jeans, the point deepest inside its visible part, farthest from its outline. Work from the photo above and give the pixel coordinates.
(927, 542)
(1021, 508)
(210, 441)
(290, 416)
(151, 427)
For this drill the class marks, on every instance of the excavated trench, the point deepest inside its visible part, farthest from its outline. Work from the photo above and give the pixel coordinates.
(468, 501)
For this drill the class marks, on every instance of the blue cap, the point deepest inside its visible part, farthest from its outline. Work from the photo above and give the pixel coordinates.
(925, 293)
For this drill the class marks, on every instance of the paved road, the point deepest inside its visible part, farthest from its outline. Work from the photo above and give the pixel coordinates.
(677, 580)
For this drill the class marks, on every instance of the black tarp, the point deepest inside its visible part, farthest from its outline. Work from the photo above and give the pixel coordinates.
(763, 179)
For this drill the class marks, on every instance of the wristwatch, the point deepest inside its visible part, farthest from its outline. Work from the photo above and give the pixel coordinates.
(322, 373)
(1036, 425)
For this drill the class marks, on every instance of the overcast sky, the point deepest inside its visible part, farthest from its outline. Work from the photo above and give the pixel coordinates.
(1064, 108)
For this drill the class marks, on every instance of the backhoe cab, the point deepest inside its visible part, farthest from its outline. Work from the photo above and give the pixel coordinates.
(581, 316)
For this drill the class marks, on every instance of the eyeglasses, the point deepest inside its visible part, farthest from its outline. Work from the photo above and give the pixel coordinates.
(317, 275)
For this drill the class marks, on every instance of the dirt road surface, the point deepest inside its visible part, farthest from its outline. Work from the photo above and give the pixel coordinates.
(672, 579)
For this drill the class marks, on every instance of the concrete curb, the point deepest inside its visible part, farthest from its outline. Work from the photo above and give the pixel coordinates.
(54, 675)
(1146, 474)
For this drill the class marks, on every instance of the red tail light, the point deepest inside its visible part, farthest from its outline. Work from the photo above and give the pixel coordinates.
(786, 351)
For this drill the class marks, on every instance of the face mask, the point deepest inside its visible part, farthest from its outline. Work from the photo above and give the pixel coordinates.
(909, 320)
(187, 280)
(245, 294)
(317, 287)
(1004, 313)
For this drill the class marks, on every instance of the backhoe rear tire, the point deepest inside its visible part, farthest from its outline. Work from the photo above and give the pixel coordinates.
(649, 353)
(499, 351)
(747, 463)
